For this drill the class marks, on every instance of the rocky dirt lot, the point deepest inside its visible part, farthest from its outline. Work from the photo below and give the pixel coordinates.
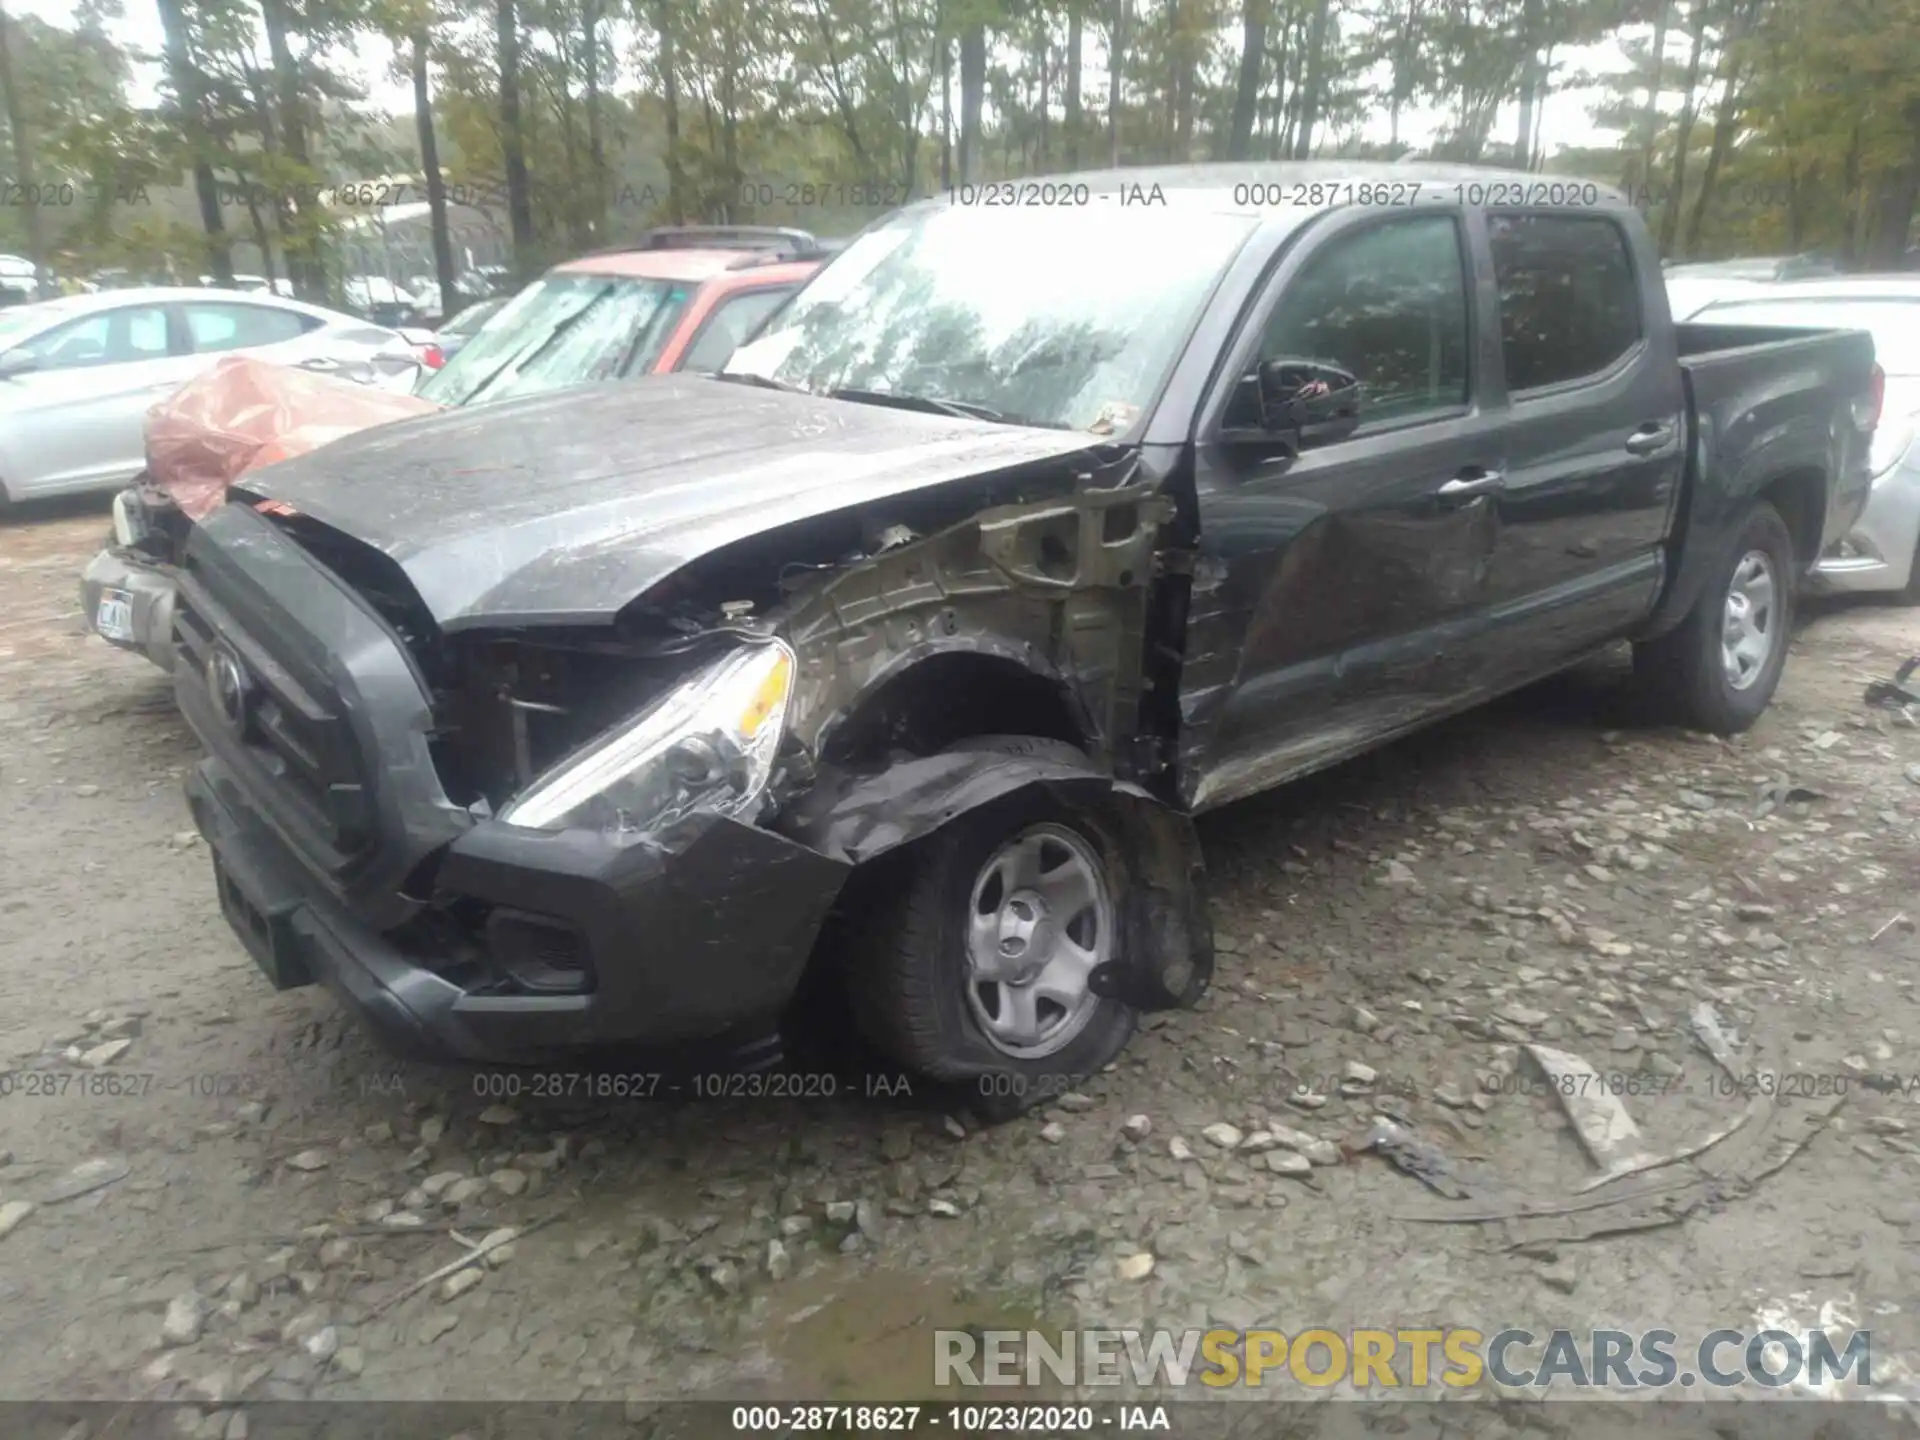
(214, 1192)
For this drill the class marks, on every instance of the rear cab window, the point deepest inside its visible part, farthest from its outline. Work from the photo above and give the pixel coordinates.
(1570, 303)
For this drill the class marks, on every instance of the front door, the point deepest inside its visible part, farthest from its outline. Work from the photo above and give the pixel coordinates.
(1347, 578)
(97, 376)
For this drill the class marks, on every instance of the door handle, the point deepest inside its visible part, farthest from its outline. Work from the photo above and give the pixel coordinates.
(1649, 439)
(1470, 484)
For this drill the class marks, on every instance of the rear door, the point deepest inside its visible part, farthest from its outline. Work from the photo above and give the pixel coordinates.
(1595, 439)
(1352, 573)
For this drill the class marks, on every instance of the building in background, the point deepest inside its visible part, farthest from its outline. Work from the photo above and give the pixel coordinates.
(383, 254)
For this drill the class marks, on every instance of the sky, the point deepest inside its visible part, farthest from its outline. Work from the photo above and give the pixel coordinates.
(1565, 121)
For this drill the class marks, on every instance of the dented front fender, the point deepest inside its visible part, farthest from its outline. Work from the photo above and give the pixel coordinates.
(1167, 948)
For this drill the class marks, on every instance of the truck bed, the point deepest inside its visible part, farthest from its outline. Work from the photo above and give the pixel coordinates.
(1762, 396)
(1698, 340)
(1769, 401)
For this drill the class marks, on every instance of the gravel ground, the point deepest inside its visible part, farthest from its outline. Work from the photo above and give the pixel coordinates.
(229, 1192)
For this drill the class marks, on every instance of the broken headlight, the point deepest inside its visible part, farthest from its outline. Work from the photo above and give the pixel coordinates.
(706, 746)
(129, 525)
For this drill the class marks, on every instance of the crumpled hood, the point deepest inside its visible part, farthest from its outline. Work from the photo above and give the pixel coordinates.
(562, 508)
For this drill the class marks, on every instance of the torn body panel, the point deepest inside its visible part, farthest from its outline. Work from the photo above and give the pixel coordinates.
(1017, 604)
(1057, 587)
(1165, 958)
(1062, 590)
(1021, 601)
(855, 817)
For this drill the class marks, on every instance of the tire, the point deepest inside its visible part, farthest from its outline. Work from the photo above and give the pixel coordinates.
(912, 985)
(1690, 669)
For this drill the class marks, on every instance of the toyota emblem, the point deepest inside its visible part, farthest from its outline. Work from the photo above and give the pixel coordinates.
(227, 684)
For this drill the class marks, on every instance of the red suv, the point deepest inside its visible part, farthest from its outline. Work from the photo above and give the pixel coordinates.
(676, 299)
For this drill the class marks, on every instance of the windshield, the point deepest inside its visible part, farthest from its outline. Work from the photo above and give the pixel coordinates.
(561, 330)
(1061, 317)
(13, 331)
(1894, 324)
(19, 325)
(472, 318)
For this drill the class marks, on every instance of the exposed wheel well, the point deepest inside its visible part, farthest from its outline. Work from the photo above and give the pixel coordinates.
(947, 698)
(1801, 498)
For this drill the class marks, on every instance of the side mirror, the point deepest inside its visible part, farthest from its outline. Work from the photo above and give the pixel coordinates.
(18, 362)
(1291, 404)
(1313, 399)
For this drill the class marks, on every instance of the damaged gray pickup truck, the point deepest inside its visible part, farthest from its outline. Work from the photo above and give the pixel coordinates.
(903, 653)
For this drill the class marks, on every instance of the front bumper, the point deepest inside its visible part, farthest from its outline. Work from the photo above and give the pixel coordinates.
(149, 587)
(697, 940)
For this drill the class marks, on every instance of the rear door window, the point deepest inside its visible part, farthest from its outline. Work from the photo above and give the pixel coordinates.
(241, 327)
(1569, 301)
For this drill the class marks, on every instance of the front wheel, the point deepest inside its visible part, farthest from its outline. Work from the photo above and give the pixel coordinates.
(1720, 666)
(974, 964)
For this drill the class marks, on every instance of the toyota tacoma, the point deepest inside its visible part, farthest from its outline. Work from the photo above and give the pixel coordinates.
(901, 654)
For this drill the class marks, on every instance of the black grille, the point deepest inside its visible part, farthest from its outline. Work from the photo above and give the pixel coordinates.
(380, 583)
(292, 735)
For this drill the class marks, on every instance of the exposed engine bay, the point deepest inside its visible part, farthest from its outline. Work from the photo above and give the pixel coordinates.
(1046, 573)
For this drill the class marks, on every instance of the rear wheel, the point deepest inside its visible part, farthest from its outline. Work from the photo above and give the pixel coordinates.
(1719, 668)
(973, 963)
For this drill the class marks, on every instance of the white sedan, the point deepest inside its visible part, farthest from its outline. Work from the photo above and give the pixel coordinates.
(77, 375)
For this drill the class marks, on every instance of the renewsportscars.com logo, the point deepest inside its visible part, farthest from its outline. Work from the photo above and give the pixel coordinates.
(1362, 1359)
